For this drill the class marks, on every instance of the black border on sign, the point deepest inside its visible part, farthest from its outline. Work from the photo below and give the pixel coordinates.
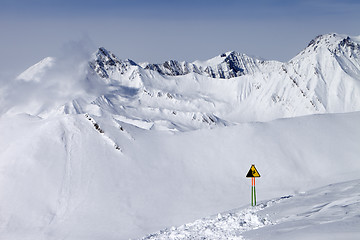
(250, 175)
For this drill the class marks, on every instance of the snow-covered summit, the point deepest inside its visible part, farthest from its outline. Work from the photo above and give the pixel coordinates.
(106, 64)
(329, 68)
(37, 71)
(336, 44)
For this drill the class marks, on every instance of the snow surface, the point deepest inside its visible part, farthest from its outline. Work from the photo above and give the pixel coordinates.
(331, 212)
(62, 178)
(110, 149)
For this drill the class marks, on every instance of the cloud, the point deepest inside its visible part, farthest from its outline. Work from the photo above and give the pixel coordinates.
(54, 84)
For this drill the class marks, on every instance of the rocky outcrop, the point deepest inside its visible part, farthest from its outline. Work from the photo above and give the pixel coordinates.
(173, 68)
(229, 65)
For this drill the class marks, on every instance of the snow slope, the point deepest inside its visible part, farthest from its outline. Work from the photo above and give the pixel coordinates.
(64, 178)
(330, 212)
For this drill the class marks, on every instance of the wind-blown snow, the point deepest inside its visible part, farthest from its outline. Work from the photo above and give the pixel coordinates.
(112, 149)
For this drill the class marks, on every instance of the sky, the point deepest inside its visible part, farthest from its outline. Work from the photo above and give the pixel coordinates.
(156, 31)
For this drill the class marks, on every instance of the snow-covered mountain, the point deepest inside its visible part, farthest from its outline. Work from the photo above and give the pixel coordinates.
(105, 148)
(36, 72)
(227, 89)
(227, 65)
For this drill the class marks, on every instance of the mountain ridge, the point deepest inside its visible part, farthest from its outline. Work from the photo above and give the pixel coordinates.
(228, 89)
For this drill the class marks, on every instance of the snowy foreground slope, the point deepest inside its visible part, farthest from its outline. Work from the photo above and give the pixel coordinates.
(104, 148)
(331, 212)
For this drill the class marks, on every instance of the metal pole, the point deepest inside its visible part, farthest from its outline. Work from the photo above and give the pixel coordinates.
(254, 193)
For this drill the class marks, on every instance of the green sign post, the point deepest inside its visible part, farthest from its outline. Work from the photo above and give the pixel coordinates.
(253, 173)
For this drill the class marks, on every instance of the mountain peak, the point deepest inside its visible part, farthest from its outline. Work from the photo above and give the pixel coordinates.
(36, 72)
(324, 40)
(110, 58)
(227, 54)
(333, 41)
(105, 52)
(105, 62)
(333, 44)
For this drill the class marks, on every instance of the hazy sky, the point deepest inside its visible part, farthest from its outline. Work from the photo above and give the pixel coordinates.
(155, 31)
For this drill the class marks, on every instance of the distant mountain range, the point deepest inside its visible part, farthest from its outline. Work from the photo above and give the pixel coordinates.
(229, 88)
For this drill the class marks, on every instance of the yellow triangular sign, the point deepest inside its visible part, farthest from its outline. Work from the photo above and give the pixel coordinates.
(253, 172)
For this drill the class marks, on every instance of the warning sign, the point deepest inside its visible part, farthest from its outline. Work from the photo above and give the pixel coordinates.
(253, 172)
